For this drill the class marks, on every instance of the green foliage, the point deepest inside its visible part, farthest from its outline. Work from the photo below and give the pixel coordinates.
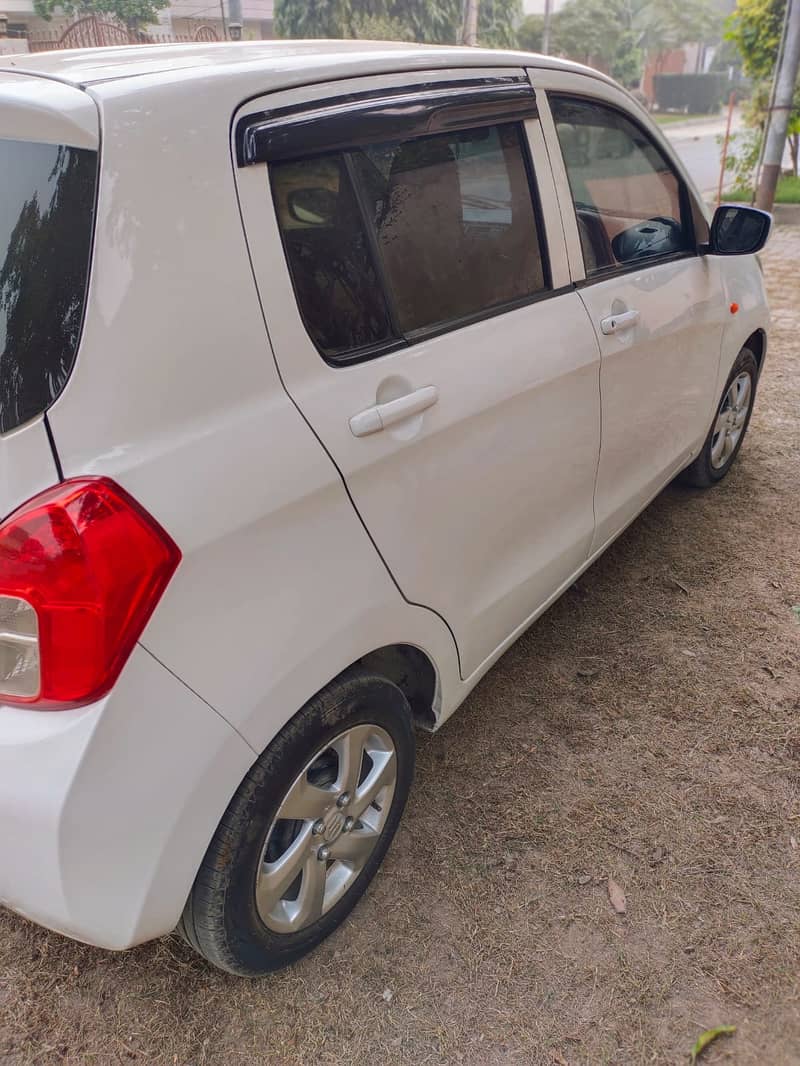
(427, 21)
(380, 28)
(314, 18)
(616, 34)
(497, 22)
(133, 13)
(755, 28)
(744, 149)
(530, 33)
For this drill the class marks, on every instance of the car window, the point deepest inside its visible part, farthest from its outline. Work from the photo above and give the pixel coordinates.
(46, 220)
(446, 222)
(329, 254)
(627, 196)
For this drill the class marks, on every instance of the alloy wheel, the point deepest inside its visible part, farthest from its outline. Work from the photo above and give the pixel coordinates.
(326, 828)
(731, 419)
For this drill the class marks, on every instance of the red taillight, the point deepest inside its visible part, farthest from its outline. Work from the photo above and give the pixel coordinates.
(82, 566)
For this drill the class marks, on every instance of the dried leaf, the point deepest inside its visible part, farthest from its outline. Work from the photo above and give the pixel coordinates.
(796, 612)
(616, 895)
(388, 995)
(793, 842)
(584, 879)
(588, 673)
(679, 585)
(710, 1034)
(690, 654)
(558, 1058)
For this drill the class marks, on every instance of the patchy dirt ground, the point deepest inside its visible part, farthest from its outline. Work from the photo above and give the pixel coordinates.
(646, 728)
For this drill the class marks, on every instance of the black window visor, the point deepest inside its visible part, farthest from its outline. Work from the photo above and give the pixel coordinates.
(373, 117)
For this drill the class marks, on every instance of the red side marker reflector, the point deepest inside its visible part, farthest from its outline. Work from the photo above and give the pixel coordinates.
(734, 308)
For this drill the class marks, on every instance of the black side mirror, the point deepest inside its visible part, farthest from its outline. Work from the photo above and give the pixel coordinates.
(738, 230)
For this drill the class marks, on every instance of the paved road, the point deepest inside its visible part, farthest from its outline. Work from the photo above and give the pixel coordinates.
(699, 148)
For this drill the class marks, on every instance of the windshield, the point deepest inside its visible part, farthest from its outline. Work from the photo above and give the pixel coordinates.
(46, 216)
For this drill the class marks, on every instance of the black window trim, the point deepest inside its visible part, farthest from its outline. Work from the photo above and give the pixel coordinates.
(402, 340)
(684, 194)
(370, 117)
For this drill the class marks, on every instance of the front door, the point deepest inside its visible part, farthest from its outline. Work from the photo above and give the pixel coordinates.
(657, 307)
(426, 330)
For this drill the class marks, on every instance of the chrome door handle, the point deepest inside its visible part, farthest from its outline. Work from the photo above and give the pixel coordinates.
(376, 418)
(618, 323)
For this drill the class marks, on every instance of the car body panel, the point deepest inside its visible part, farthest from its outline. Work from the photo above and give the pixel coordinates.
(107, 811)
(477, 470)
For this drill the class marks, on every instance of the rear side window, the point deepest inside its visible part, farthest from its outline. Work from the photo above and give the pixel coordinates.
(390, 242)
(628, 199)
(46, 216)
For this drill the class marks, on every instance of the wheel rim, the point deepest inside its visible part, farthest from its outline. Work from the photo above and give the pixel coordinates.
(731, 419)
(327, 826)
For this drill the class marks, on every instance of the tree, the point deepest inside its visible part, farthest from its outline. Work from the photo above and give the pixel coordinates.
(497, 23)
(133, 13)
(314, 18)
(426, 21)
(615, 34)
(531, 33)
(755, 29)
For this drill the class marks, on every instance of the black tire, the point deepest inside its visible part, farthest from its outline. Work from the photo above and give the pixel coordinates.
(221, 919)
(701, 473)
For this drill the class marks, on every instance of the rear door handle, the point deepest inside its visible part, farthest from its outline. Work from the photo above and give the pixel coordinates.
(376, 418)
(618, 323)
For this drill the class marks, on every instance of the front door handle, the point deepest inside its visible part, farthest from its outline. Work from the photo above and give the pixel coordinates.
(381, 415)
(618, 323)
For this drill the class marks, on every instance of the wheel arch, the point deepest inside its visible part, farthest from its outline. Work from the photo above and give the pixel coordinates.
(757, 343)
(414, 673)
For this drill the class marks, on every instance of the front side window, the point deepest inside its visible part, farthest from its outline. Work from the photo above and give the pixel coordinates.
(627, 196)
(389, 242)
(46, 219)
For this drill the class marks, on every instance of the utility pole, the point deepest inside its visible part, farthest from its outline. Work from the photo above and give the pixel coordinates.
(469, 33)
(548, 15)
(235, 20)
(786, 72)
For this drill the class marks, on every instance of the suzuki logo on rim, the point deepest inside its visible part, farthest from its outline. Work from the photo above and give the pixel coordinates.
(333, 822)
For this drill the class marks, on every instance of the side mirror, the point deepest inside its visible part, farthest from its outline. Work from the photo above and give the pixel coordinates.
(313, 207)
(738, 230)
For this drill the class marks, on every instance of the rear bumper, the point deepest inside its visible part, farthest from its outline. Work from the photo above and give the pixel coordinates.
(106, 811)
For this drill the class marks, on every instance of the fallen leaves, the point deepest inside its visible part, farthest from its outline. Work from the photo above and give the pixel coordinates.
(706, 1038)
(616, 896)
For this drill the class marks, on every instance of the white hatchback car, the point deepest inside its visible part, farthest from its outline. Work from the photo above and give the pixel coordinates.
(324, 369)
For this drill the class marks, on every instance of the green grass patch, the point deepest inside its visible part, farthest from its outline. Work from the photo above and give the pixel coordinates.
(666, 118)
(788, 192)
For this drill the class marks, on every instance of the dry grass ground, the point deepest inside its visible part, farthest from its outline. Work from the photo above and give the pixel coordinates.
(646, 728)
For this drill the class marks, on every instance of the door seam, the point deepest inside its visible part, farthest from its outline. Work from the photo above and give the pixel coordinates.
(359, 516)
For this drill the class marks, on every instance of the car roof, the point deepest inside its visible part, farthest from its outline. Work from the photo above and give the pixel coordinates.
(274, 63)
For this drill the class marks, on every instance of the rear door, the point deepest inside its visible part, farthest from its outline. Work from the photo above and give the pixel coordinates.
(48, 171)
(656, 305)
(427, 330)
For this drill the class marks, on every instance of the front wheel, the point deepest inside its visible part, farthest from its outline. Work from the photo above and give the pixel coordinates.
(730, 425)
(306, 831)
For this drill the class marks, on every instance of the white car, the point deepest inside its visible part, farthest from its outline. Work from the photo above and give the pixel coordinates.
(324, 369)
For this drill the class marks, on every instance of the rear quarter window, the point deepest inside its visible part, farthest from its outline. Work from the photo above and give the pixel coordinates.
(47, 196)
